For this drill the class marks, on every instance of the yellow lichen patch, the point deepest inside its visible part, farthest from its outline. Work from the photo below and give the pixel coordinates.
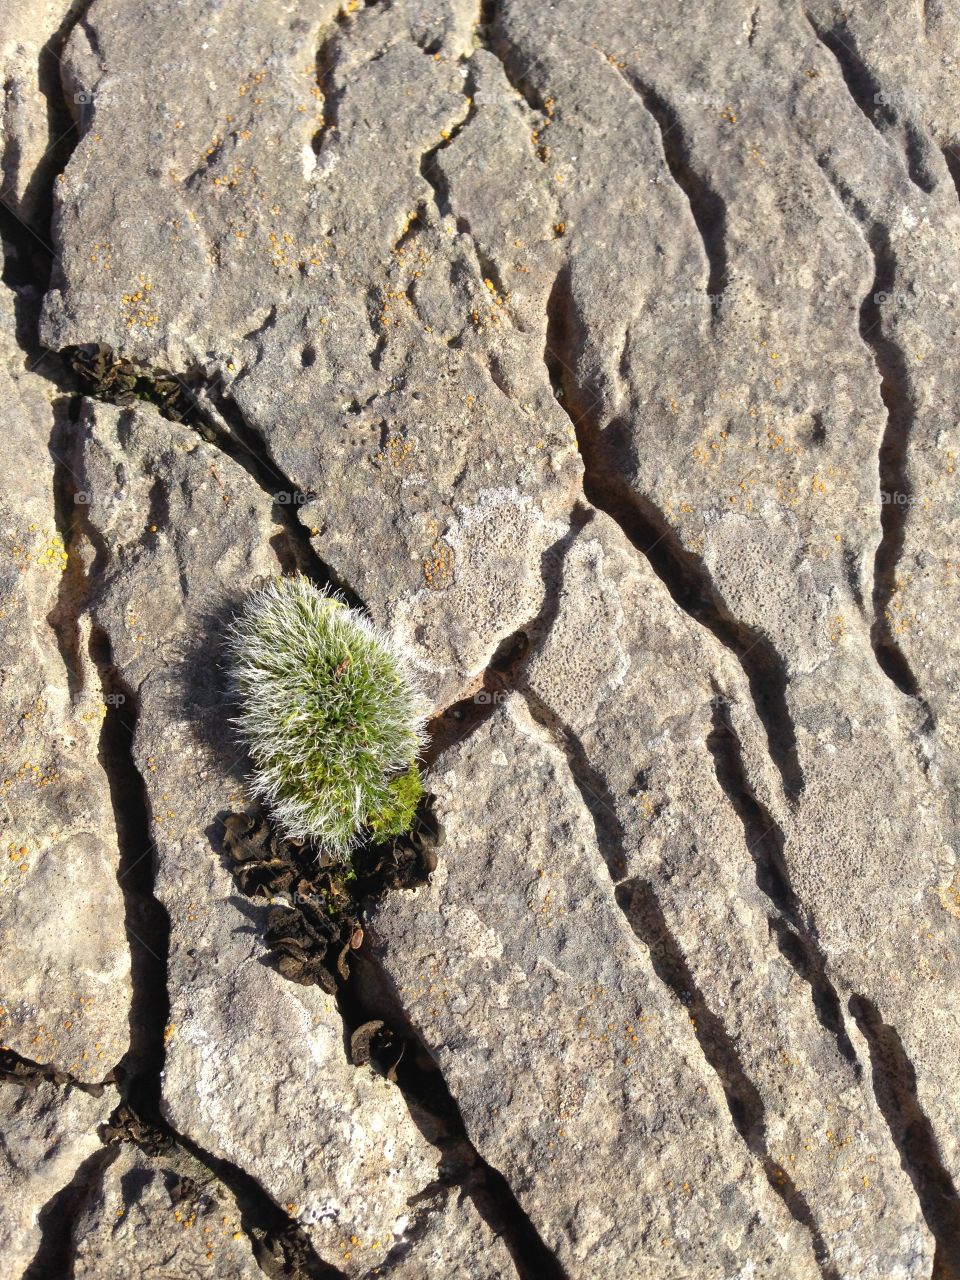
(137, 306)
(16, 861)
(896, 614)
(396, 453)
(438, 566)
(35, 774)
(836, 628)
(102, 254)
(711, 449)
(949, 896)
(498, 298)
(52, 554)
(777, 442)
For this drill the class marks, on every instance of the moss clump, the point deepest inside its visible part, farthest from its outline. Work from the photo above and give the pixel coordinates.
(330, 714)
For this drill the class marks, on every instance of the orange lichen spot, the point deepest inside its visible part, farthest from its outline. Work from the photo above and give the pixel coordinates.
(438, 566)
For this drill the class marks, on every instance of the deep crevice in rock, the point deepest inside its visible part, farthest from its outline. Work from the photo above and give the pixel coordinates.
(64, 617)
(899, 400)
(280, 1245)
(28, 1074)
(865, 90)
(764, 839)
(431, 172)
(639, 903)
(478, 701)
(895, 1086)
(54, 1257)
(322, 938)
(146, 922)
(951, 158)
(325, 64)
(435, 1111)
(199, 402)
(707, 207)
(683, 574)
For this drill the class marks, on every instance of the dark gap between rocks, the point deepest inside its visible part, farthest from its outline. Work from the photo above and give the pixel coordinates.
(480, 698)
(640, 905)
(764, 839)
(199, 403)
(682, 573)
(895, 487)
(316, 935)
(638, 901)
(899, 402)
(15, 1069)
(895, 1086)
(707, 207)
(54, 1257)
(865, 90)
(280, 1245)
(146, 922)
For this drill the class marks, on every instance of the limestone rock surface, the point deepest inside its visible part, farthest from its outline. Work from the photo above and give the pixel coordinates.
(607, 356)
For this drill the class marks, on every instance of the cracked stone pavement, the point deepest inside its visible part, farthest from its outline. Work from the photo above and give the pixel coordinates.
(608, 356)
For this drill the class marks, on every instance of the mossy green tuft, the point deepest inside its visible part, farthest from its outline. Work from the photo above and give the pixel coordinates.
(331, 714)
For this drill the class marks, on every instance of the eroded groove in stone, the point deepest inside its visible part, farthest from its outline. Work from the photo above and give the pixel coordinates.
(477, 703)
(895, 1086)
(764, 839)
(638, 901)
(426, 1093)
(18, 1070)
(707, 207)
(866, 92)
(55, 1253)
(280, 1246)
(899, 400)
(147, 923)
(220, 422)
(684, 576)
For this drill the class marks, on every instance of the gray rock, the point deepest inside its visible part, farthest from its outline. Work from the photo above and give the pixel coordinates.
(35, 128)
(562, 1048)
(256, 1069)
(49, 1135)
(703, 882)
(453, 1241)
(455, 283)
(64, 974)
(164, 1215)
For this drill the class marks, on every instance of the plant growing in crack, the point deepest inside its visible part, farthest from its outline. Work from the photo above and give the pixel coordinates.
(331, 715)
